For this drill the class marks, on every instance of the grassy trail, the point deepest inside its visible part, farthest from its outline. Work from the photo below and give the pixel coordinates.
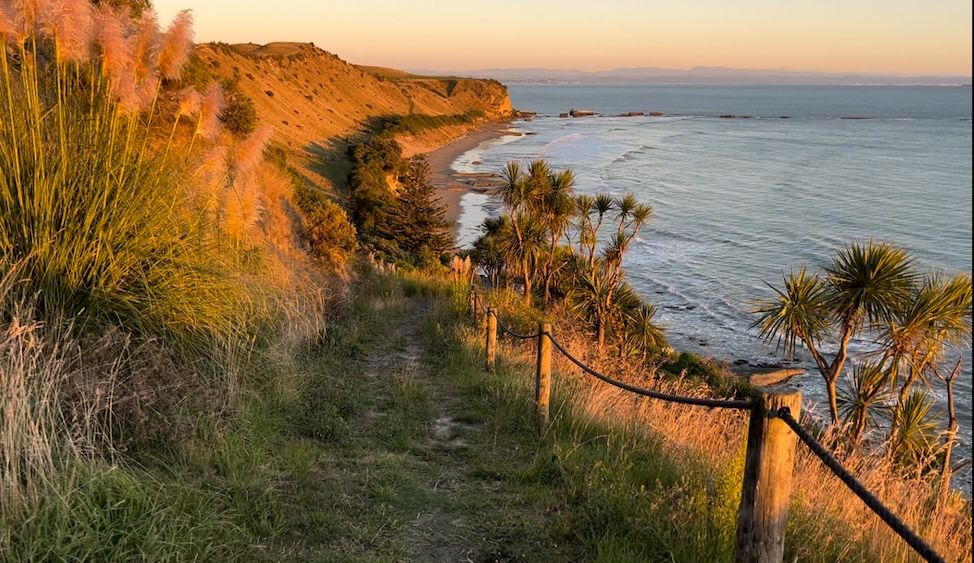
(405, 470)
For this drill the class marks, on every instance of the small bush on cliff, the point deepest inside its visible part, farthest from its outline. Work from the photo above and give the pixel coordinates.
(239, 114)
(375, 163)
(413, 124)
(327, 230)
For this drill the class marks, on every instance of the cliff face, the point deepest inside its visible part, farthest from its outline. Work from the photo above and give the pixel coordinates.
(312, 97)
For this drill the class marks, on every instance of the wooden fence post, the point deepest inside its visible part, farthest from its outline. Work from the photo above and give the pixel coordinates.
(768, 467)
(490, 347)
(477, 309)
(542, 382)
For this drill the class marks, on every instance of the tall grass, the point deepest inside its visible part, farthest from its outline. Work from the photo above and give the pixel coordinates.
(826, 523)
(136, 302)
(93, 208)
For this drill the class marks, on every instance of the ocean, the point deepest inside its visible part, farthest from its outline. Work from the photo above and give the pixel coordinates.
(738, 202)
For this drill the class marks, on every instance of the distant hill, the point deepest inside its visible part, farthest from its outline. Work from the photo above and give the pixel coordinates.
(309, 95)
(314, 100)
(703, 76)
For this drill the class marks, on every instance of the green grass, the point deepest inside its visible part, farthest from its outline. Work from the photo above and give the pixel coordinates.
(336, 458)
(414, 124)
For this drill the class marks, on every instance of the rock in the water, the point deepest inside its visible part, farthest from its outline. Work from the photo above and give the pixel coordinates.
(776, 377)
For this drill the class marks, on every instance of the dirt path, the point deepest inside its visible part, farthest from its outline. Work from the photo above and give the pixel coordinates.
(441, 527)
(408, 459)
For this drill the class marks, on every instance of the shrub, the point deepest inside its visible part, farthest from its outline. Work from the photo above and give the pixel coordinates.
(414, 124)
(374, 163)
(329, 233)
(239, 114)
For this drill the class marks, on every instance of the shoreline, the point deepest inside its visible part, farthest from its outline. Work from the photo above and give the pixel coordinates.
(445, 180)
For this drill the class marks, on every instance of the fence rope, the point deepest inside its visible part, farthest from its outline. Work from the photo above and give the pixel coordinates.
(695, 401)
(870, 500)
(510, 332)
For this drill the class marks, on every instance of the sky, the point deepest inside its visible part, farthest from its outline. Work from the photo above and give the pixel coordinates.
(872, 36)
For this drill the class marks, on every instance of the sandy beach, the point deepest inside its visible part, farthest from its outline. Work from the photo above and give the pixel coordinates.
(441, 160)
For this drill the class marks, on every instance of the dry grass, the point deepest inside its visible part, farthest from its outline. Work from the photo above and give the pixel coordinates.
(827, 522)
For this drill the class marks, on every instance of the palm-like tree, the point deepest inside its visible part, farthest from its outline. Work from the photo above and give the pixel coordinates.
(591, 213)
(487, 248)
(915, 339)
(558, 209)
(523, 244)
(643, 332)
(516, 193)
(862, 287)
(798, 313)
(915, 436)
(589, 297)
(537, 199)
(864, 398)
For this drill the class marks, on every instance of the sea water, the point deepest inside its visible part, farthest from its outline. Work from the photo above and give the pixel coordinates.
(738, 202)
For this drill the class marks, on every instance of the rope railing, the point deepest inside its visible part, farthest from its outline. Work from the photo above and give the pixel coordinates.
(681, 399)
(513, 334)
(767, 482)
(860, 490)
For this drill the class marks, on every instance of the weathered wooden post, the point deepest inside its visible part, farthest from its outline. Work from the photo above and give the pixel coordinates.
(542, 382)
(477, 309)
(768, 467)
(490, 347)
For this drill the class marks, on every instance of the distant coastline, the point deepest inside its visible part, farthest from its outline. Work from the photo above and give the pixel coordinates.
(703, 76)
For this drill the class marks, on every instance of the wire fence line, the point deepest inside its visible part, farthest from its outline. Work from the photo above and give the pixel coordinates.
(912, 539)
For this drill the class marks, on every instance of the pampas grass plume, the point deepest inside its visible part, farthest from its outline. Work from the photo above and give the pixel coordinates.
(209, 122)
(7, 26)
(13, 24)
(250, 152)
(33, 12)
(69, 22)
(116, 50)
(176, 45)
(189, 102)
(146, 44)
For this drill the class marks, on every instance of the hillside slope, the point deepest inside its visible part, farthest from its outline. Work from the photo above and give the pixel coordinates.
(314, 100)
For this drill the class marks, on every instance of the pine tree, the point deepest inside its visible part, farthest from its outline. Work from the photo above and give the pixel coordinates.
(417, 222)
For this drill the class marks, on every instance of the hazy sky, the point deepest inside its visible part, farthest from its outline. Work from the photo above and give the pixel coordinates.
(882, 36)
